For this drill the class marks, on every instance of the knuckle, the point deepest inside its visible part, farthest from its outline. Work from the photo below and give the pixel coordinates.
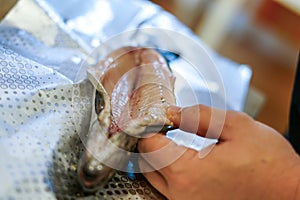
(181, 182)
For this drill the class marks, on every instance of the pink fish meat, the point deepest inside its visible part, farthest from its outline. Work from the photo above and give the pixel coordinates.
(133, 88)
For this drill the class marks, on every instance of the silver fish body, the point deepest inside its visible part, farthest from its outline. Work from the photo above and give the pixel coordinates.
(133, 88)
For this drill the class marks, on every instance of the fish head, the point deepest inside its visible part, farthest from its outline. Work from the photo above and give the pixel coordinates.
(92, 171)
(102, 157)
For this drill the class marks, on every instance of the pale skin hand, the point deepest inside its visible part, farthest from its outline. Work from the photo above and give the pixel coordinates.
(251, 161)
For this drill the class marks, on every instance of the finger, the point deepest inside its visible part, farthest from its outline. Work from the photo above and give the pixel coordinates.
(200, 119)
(156, 179)
(153, 143)
(188, 118)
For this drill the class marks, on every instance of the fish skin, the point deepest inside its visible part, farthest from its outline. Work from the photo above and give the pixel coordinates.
(133, 88)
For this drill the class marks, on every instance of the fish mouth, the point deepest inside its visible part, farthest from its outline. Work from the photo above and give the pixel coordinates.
(88, 181)
(93, 174)
(91, 181)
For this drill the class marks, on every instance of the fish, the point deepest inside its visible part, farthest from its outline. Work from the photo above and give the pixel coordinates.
(133, 88)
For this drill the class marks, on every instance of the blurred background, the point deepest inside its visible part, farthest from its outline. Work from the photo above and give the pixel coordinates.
(264, 34)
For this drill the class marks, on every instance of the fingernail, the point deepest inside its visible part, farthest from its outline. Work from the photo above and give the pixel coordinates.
(172, 111)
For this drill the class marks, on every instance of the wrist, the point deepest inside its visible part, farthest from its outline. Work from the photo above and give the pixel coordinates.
(297, 191)
(286, 185)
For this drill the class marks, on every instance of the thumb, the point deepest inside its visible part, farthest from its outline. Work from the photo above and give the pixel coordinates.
(159, 150)
(153, 143)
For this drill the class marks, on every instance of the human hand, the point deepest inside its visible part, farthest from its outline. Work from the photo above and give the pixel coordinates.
(250, 161)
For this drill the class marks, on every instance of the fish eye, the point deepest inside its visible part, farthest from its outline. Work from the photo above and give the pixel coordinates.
(99, 102)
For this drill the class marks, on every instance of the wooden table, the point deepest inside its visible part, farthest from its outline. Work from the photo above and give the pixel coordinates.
(5, 6)
(282, 17)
